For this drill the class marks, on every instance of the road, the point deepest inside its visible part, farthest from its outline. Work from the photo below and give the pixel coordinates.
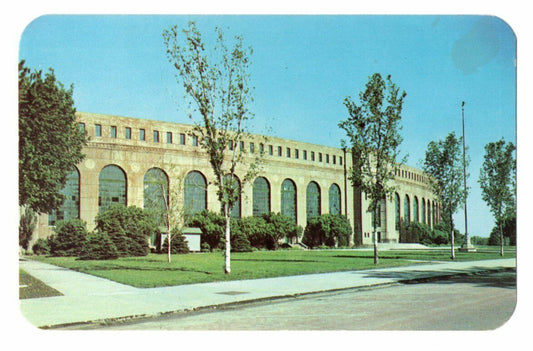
(474, 302)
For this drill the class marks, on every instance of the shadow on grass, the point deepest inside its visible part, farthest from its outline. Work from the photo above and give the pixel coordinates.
(274, 260)
(139, 269)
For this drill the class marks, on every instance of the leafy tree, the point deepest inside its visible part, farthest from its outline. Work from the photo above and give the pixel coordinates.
(50, 141)
(212, 226)
(217, 88)
(497, 182)
(277, 227)
(444, 164)
(373, 135)
(27, 223)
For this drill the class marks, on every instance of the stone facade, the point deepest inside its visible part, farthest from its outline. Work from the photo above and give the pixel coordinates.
(169, 147)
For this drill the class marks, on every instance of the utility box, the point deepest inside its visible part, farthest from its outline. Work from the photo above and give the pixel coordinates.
(193, 236)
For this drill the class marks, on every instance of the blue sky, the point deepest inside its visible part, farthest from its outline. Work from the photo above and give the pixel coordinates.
(303, 67)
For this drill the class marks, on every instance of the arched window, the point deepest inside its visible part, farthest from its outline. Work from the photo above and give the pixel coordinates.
(313, 200)
(424, 211)
(288, 199)
(236, 189)
(111, 187)
(71, 205)
(406, 209)
(334, 199)
(195, 193)
(415, 210)
(261, 197)
(156, 195)
(397, 211)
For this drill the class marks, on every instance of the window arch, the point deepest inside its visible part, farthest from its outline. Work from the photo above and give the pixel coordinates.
(261, 197)
(397, 211)
(334, 199)
(313, 200)
(288, 199)
(156, 194)
(415, 210)
(195, 193)
(406, 209)
(71, 205)
(111, 187)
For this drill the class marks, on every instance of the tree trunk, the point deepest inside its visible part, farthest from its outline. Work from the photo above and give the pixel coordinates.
(452, 239)
(501, 238)
(227, 256)
(375, 246)
(169, 242)
(374, 223)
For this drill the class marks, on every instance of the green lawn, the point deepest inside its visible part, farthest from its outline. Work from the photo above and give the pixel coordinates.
(30, 287)
(154, 270)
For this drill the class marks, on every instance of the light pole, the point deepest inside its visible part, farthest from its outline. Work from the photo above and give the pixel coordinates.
(467, 246)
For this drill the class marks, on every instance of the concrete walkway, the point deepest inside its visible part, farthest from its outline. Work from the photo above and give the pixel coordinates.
(91, 299)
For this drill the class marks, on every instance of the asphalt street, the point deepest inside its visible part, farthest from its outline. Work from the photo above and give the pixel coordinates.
(467, 302)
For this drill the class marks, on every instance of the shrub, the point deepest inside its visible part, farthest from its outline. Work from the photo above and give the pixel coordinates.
(327, 229)
(69, 238)
(278, 226)
(239, 242)
(129, 228)
(254, 228)
(99, 247)
(415, 232)
(178, 243)
(440, 237)
(212, 226)
(41, 247)
(205, 247)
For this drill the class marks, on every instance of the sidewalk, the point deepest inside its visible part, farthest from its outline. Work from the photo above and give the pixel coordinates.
(91, 299)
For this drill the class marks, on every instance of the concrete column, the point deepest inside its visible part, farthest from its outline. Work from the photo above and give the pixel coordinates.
(247, 200)
(391, 232)
(89, 172)
(275, 193)
(324, 197)
(135, 188)
(301, 203)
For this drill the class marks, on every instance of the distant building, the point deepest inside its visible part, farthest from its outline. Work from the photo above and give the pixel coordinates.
(300, 180)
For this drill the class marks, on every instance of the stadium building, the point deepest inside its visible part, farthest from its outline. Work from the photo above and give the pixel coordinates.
(301, 180)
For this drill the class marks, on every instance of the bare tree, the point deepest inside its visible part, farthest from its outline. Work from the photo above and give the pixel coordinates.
(164, 198)
(217, 88)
